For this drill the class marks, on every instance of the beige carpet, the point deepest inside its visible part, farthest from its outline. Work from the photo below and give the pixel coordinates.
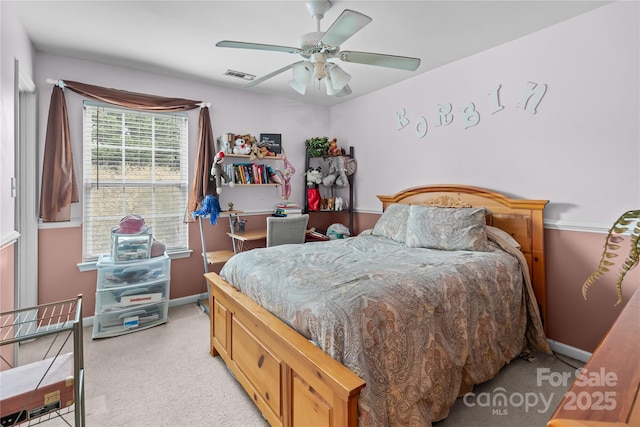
(164, 376)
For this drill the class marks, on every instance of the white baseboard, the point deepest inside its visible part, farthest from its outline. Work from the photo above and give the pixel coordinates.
(191, 299)
(185, 300)
(569, 351)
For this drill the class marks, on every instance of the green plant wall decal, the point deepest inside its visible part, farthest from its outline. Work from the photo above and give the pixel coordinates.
(629, 221)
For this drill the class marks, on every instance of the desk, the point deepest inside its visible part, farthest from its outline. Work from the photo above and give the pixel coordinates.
(221, 256)
(247, 236)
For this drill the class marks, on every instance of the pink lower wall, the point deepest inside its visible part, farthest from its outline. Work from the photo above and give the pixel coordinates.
(60, 251)
(6, 295)
(570, 257)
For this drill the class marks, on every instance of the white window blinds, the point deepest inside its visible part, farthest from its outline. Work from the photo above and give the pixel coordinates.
(134, 162)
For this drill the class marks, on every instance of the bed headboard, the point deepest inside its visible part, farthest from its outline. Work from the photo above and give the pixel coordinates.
(522, 219)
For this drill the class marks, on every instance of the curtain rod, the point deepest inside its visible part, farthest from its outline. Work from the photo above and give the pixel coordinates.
(56, 82)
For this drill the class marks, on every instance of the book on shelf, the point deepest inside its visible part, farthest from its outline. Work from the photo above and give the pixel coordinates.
(287, 212)
(248, 173)
(288, 205)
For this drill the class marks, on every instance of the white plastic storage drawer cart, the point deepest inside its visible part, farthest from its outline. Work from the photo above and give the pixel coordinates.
(131, 296)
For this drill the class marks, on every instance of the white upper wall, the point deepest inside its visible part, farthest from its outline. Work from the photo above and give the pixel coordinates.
(580, 150)
(14, 45)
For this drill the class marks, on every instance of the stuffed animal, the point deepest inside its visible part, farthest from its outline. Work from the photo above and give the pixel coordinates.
(265, 152)
(341, 179)
(333, 148)
(240, 146)
(285, 177)
(314, 176)
(330, 179)
(218, 173)
(273, 175)
(339, 170)
(255, 152)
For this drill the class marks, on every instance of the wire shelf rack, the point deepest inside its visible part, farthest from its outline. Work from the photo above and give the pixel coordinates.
(62, 320)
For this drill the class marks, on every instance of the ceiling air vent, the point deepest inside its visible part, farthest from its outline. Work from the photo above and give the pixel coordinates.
(239, 74)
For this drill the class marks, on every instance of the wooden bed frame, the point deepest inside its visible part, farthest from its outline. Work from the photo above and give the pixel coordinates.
(295, 383)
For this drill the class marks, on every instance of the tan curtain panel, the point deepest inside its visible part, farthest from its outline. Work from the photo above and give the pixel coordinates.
(59, 186)
(202, 165)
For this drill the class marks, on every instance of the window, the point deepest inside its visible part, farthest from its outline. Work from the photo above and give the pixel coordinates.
(134, 162)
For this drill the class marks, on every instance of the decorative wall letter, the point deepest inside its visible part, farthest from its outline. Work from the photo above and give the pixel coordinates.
(495, 100)
(401, 119)
(471, 116)
(532, 97)
(444, 116)
(421, 127)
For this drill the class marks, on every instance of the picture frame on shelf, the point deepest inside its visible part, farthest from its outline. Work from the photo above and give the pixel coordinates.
(272, 141)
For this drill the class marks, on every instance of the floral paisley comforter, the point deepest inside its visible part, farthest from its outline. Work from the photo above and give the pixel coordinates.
(416, 324)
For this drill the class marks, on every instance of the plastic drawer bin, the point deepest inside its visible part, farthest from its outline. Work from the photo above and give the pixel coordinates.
(117, 298)
(112, 274)
(129, 320)
(131, 247)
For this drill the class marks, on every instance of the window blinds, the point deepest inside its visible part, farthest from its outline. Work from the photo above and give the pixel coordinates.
(134, 162)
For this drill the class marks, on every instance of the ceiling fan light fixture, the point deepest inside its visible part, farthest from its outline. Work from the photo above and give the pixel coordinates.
(297, 86)
(344, 92)
(301, 76)
(339, 77)
(302, 72)
(331, 89)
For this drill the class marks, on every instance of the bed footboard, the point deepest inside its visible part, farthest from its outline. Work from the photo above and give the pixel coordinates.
(290, 380)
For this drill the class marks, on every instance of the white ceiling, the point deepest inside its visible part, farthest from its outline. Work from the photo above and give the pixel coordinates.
(178, 38)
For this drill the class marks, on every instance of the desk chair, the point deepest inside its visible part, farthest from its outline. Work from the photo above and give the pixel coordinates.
(288, 229)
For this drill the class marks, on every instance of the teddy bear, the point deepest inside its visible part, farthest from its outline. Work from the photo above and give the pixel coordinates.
(333, 148)
(265, 152)
(314, 176)
(255, 152)
(218, 173)
(240, 146)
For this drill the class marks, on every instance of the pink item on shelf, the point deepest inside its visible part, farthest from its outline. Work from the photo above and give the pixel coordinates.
(131, 224)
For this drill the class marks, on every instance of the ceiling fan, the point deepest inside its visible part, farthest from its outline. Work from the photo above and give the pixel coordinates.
(318, 48)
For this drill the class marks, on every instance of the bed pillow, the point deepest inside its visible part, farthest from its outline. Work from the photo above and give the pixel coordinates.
(392, 224)
(503, 235)
(450, 229)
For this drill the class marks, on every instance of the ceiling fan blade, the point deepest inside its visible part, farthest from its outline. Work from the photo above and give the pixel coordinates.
(347, 24)
(273, 74)
(258, 46)
(380, 59)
